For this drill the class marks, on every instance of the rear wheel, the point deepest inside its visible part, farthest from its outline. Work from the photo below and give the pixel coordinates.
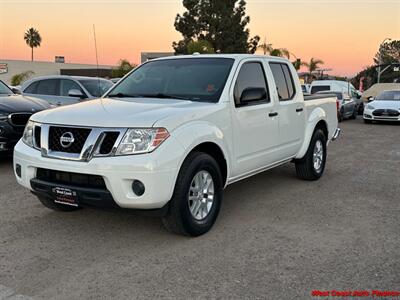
(49, 203)
(340, 116)
(312, 165)
(355, 113)
(197, 197)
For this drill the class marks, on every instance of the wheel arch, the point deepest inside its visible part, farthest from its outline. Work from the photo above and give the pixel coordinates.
(317, 120)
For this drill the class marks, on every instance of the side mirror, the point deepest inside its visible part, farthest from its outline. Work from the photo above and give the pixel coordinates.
(76, 93)
(253, 94)
(16, 91)
(370, 99)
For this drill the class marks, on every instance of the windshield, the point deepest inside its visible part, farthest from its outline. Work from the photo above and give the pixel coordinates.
(96, 87)
(195, 79)
(338, 95)
(389, 96)
(4, 89)
(319, 88)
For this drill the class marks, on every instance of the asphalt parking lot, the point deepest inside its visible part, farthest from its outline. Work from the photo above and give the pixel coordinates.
(277, 237)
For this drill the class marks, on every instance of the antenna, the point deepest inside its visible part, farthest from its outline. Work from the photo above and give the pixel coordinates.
(97, 59)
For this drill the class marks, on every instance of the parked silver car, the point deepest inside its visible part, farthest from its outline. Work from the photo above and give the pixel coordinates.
(347, 106)
(65, 90)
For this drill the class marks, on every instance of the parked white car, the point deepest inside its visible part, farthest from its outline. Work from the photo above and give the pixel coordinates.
(173, 133)
(385, 107)
(64, 90)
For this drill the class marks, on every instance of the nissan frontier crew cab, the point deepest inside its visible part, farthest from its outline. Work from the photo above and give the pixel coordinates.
(172, 134)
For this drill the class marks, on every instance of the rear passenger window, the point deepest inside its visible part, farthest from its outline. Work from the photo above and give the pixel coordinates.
(47, 87)
(31, 89)
(283, 81)
(251, 75)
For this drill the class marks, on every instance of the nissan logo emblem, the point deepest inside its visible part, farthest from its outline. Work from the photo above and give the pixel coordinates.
(67, 139)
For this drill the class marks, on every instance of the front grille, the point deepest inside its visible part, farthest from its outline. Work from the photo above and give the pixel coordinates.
(386, 113)
(37, 133)
(71, 179)
(19, 119)
(80, 136)
(108, 142)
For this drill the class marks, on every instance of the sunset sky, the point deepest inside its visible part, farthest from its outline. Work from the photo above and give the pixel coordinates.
(343, 33)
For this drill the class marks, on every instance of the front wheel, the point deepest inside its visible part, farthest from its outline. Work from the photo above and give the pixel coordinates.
(355, 113)
(197, 197)
(312, 165)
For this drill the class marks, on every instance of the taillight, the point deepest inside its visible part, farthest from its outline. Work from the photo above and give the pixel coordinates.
(337, 105)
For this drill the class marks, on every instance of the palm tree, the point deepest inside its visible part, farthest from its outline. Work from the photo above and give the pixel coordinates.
(32, 39)
(281, 52)
(313, 65)
(298, 63)
(266, 48)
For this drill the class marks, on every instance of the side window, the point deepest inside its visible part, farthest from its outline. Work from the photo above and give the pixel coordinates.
(66, 85)
(47, 87)
(283, 81)
(251, 75)
(31, 89)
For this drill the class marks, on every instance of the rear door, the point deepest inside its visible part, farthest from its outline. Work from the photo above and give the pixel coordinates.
(255, 125)
(290, 108)
(46, 89)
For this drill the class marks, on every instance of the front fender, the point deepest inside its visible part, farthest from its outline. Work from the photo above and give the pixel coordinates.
(192, 135)
(317, 115)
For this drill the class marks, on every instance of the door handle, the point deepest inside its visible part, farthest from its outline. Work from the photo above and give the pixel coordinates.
(273, 114)
(299, 109)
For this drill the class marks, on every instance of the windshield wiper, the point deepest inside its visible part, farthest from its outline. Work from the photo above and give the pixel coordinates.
(158, 95)
(122, 95)
(165, 96)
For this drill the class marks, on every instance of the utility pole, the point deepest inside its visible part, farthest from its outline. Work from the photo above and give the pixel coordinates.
(380, 58)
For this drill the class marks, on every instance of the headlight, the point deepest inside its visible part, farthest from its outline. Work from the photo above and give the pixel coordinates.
(136, 141)
(3, 117)
(27, 137)
(370, 107)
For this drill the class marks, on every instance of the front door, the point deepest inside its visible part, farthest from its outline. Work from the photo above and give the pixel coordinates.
(255, 125)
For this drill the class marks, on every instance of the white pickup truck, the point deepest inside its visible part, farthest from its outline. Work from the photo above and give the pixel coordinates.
(173, 134)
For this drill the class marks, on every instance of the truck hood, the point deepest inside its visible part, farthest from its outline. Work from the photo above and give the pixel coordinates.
(386, 104)
(120, 113)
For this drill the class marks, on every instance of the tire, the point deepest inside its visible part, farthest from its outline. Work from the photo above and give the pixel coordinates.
(180, 219)
(49, 203)
(340, 116)
(361, 109)
(366, 121)
(305, 167)
(355, 113)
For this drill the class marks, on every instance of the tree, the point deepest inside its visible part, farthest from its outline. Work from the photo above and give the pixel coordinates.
(313, 65)
(32, 39)
(281, 52)
(200, 46)
(298, 63)
(18, 79)
(123, 67)
(389, 52)
(222, 23)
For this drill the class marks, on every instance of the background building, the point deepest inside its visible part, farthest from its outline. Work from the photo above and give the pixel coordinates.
(9, 68)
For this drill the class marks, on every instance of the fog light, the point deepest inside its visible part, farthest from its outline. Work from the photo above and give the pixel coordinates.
(18, 170)
(138, 187)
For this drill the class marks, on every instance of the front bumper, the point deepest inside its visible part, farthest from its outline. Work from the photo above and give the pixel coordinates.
(158, 174)
(368, 115)
(9, 136)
